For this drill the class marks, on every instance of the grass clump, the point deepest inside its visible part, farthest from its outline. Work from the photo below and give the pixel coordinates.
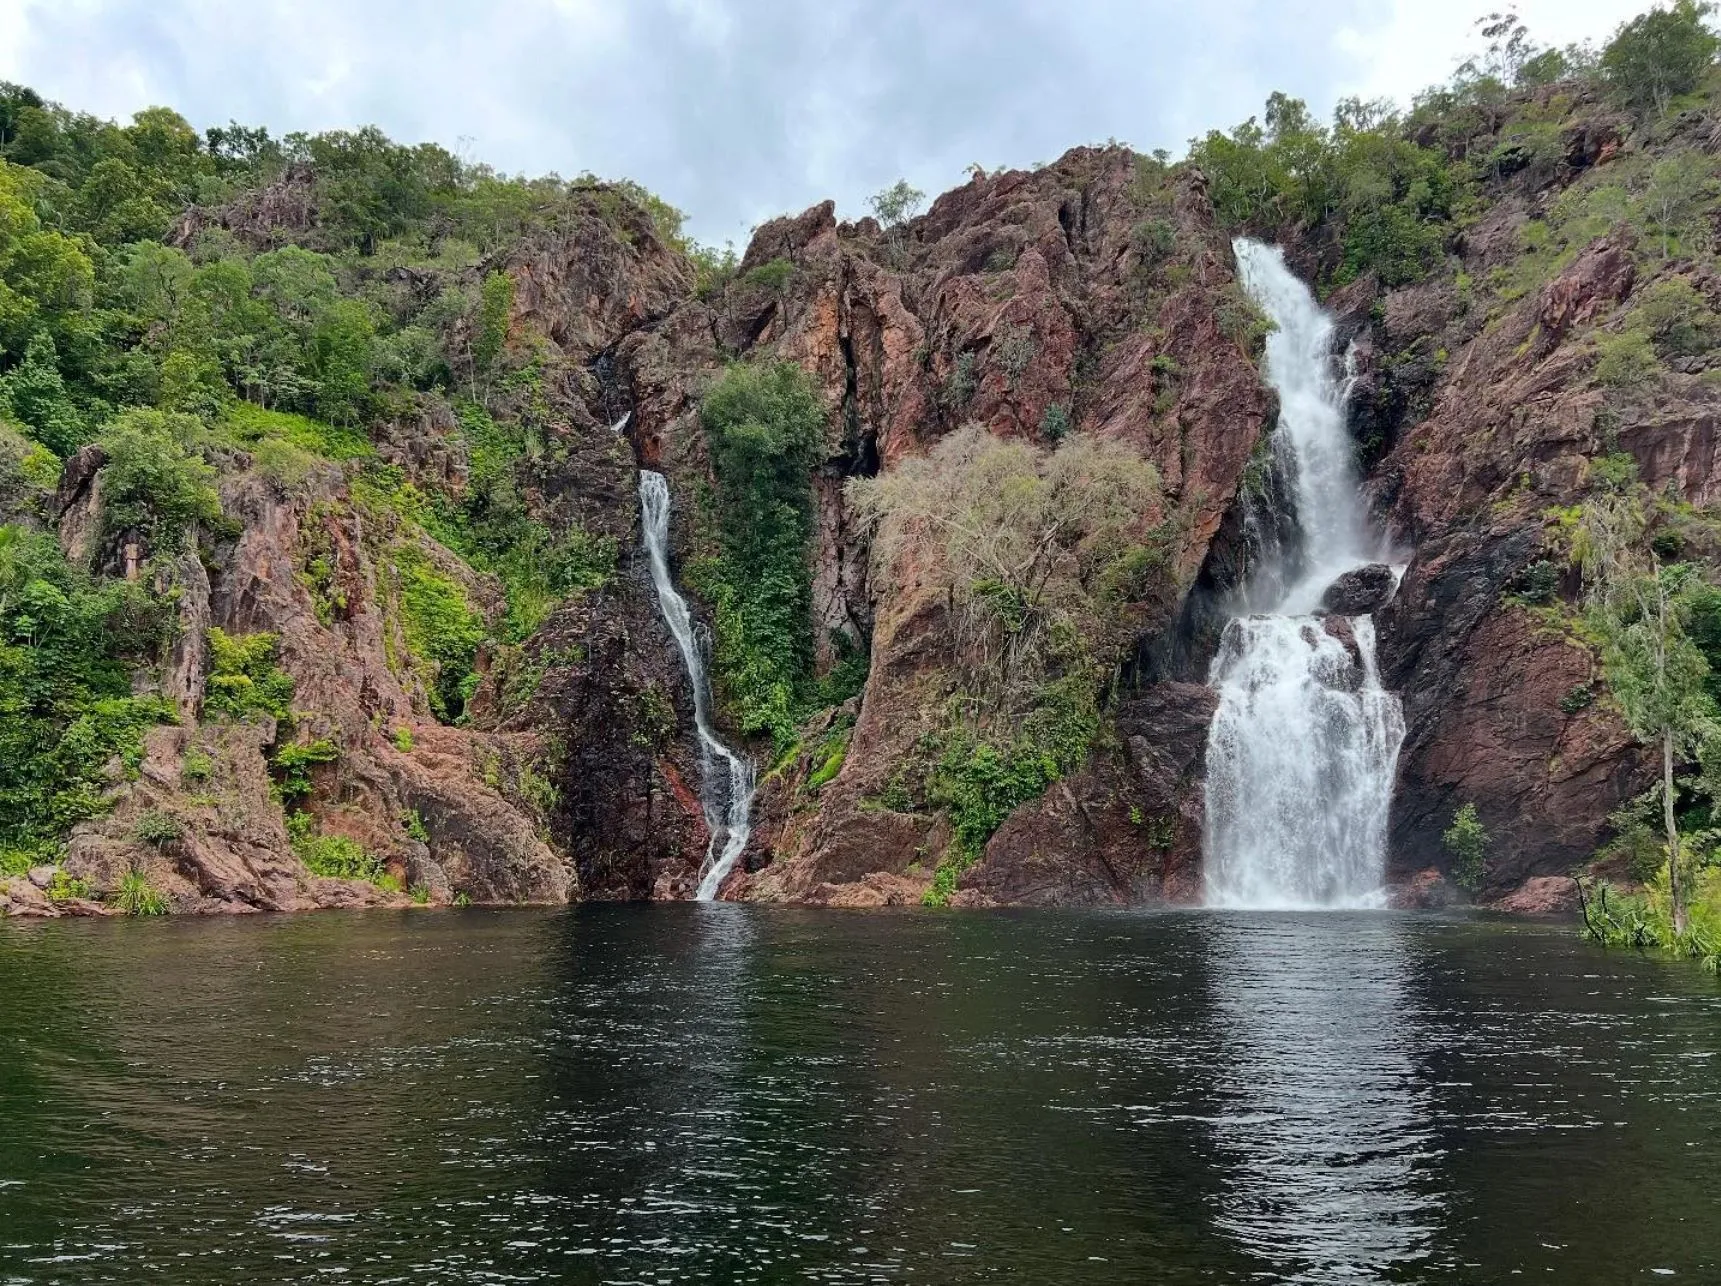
(137, 896)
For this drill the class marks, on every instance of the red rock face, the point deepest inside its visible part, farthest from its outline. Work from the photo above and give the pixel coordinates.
(1015, 294)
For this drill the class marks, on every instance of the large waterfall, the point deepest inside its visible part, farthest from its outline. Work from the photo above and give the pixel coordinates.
(727, 793)
(1304, 746)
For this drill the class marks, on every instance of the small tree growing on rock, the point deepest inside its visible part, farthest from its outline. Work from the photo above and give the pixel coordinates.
(1034, 547)
(1636, 613)
(1466, 841)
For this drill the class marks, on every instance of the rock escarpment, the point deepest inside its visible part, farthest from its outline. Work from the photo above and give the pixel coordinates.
(1094, 299)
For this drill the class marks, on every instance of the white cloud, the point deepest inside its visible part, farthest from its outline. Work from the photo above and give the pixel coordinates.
(1420, 42)
(740, 109)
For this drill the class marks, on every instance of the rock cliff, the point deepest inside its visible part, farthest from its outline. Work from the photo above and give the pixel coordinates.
(1093, 298)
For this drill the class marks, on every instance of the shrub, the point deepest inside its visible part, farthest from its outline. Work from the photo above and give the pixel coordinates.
(150, 483)
(1678, 319)
(1625, 359)
(1153, 240)
(403, 739)
(1027, 543)
(1013, 348)
(197, 765)
(337, 857)
(1466, 842)
(157, 829)
(293, 763)
(962, 381)
(1055, 423)
(64, 887)
(413, 821)
(243, 678)
(773, 276)
(137, 896)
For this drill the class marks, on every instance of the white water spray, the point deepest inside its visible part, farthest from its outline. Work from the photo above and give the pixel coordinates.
(727, 795)
(1303, 749)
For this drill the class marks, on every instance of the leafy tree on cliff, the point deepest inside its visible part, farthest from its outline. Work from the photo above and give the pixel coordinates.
(765, 426)
(1638, 613)
(1661, 54)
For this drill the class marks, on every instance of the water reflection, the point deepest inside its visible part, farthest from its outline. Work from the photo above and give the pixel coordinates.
(1324, 1130)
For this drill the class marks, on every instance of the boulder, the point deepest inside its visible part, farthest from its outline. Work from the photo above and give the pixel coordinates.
(1361, 591)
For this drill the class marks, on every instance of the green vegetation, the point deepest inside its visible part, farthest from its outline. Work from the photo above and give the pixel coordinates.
(442, 630)
(158, 829)
(765, 429)
(897, 204)
(1650, 621)
(68, 644)
(1390, 202)
(65, 887)
(1048, 563)
(773, 276)
(332, 856)
(151, 484)
(1466, 842)
(292, 766)
(137, 896)
(1660, 55)
(244, 679)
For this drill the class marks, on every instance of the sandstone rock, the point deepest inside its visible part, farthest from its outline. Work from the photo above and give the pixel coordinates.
(1540, 895)
(1360, 592)
(1125, 830)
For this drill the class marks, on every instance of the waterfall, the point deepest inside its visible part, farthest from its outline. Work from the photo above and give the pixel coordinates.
(727, 792)
(1303, 748)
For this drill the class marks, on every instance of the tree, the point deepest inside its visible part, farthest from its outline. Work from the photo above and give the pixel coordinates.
(36, 395)
(766, 428)
(1467, 842)
(1660, 54)
(1033, 547)
(897, 204)
(1637, 613)
(151, 484)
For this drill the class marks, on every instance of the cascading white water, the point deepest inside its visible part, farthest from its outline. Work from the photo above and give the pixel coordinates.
(726, 796)
(1303, 748)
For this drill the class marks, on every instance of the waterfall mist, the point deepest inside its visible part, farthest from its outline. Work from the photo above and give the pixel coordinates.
(1303, 748)
(727, 778)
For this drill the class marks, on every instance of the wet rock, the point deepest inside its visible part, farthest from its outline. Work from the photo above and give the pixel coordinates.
(1425, 890)
(1360, 592)
(1540, 895)
(1124, 830)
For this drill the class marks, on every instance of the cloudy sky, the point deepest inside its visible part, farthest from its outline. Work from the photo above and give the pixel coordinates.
(736, 110)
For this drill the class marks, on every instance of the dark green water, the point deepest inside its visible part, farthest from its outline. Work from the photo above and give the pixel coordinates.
(730, 1094)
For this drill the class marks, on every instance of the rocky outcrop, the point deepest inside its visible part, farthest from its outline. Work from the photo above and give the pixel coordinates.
(1124, 831)
(1360, 592)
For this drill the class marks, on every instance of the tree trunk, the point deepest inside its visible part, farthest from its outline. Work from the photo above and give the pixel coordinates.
(1674, 887)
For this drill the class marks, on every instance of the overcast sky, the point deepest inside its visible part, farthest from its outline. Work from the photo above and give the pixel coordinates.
(736, 110)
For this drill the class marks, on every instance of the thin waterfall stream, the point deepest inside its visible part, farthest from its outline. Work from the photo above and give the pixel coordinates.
(1303, 749)
(727, 793)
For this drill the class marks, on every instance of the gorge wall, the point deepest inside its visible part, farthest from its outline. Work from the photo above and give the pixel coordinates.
(1092, 299)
